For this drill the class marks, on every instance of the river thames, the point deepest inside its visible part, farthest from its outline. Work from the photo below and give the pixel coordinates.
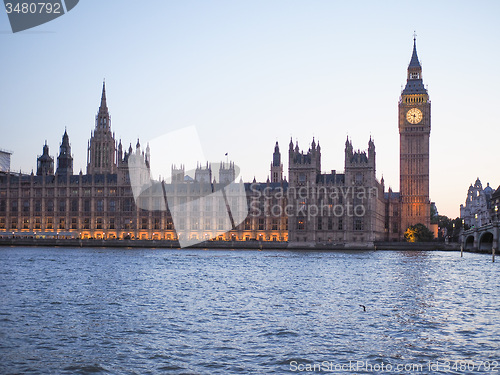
(147, 311)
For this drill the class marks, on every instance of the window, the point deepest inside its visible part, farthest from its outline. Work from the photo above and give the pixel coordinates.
(74, 223)
(261, 224)
(26, 206)
(86, 205)
(208, 223)
(330, 223)
(50, 224)
(86, 223)
(61, 223)
(100, 205)
(274, 224)
(38, 223)
(359, 179)
(341, 224)
(300, 223)
(144, 223)
(13, 206)
(220, 224)
(62, 206)
(74, 205)
(13, 223)
(127, 205)
(26, 223)
(98, 223)
(50, 205)
(195, 224)
(358, 224)
(181, 224)
(170, 224)
(112, 205)
(112, 223)
(3, 205)
(320, 223)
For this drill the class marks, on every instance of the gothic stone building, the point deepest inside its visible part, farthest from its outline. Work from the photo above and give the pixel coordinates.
(116, 198)
(338, 208)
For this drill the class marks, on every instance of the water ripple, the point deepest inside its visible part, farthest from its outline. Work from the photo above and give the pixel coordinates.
(140, 311)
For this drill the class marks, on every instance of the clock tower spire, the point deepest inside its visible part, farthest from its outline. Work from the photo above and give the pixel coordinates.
(414, 134)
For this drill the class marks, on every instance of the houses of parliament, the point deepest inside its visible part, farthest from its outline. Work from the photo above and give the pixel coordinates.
(306, 207)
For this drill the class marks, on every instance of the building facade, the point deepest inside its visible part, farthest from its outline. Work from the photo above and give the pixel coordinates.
(118, 199)
(334, 208)
(476, 211)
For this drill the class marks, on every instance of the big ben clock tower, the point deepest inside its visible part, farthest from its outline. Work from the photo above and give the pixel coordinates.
(414, 132)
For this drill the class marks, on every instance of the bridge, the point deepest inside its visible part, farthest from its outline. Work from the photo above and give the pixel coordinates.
(482, 239)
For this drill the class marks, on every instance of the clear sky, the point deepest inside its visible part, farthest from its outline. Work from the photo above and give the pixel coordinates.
(249, 73)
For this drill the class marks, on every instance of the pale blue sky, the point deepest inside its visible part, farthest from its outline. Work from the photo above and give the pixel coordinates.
(250, 73)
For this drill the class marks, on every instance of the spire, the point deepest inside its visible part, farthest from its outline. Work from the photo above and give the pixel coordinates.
(414, 82)
(65, 160)
(276, 156)
(414, 63)
(103, 96)
(65, 139)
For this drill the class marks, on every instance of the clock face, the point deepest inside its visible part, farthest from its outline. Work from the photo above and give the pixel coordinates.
(414, 116)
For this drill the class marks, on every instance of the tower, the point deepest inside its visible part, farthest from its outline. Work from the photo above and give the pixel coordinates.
(276, 166)
(65, 160)
(101, 153)
(414, 133)
(45, 162)
(303, 172)
(203, 174)
(227, 173)
(304, 168)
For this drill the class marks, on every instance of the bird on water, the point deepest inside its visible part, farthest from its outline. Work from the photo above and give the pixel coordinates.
(364, 307)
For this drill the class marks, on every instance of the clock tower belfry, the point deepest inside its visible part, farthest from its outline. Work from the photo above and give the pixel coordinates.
(414, 133)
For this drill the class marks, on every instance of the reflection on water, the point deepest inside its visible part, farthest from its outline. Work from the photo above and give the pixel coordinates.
(232, 312)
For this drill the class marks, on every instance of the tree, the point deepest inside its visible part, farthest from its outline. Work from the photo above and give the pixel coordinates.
(418, 233)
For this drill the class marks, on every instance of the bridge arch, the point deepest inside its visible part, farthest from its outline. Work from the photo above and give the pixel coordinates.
(469, 242)
(486, 241)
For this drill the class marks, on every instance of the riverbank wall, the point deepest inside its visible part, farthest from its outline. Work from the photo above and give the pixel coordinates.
(257, 245)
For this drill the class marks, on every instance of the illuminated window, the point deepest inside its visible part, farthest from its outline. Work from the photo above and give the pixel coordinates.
(300, 224)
